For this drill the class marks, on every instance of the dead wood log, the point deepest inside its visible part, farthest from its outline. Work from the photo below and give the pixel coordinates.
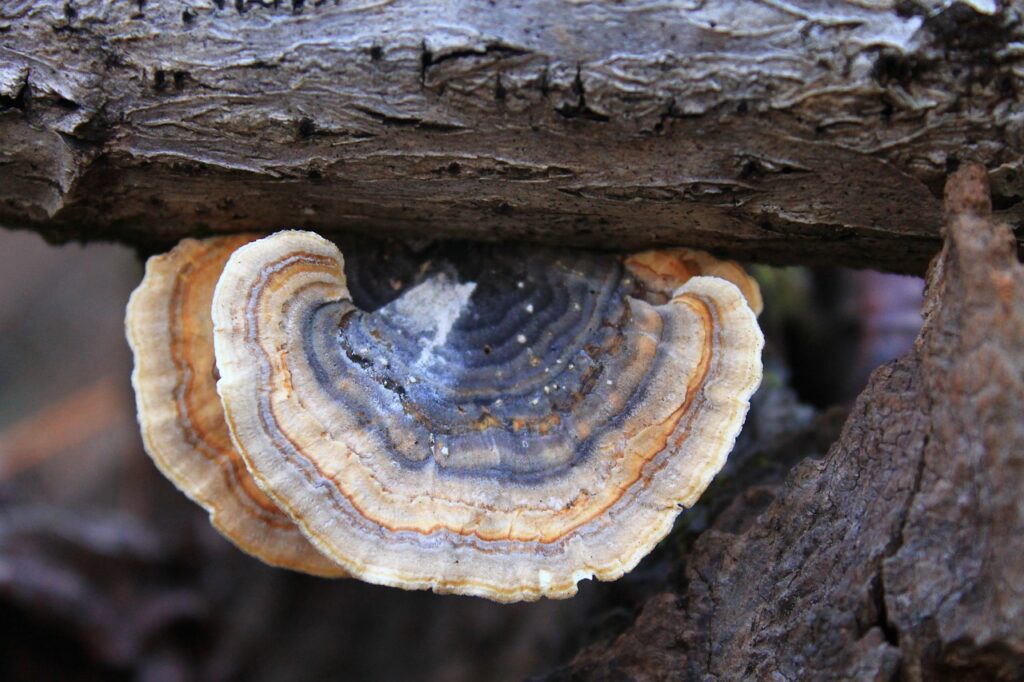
(814, 131)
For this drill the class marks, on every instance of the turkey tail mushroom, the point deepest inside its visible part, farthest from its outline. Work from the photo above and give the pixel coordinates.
(507, 427)
(169, 329)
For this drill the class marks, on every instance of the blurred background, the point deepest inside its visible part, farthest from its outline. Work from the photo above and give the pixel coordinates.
(107, 572)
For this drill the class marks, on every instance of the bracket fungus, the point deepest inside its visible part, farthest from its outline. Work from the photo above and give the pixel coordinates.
(517, 420)
(183, 429)
(508, 426)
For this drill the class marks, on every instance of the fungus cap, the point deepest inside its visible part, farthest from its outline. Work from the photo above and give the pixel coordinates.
(665, 270)
(503, 429)
(169, 329)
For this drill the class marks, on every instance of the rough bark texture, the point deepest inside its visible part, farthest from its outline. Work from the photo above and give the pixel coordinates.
(811, 131)
(900, 552)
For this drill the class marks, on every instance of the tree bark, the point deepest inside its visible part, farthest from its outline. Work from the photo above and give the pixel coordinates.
(817, 131)
(900, 552)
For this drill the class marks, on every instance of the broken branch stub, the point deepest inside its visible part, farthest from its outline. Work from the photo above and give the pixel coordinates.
(899, 554)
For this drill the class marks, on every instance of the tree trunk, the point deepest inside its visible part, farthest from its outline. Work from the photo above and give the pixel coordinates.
(810, 132)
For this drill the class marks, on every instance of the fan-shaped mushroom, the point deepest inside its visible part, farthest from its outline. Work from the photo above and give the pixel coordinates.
(169, 329)
(665, 270)
(504, 428)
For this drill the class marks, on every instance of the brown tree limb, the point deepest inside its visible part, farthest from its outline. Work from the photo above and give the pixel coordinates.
(901, 551)
(813, 131)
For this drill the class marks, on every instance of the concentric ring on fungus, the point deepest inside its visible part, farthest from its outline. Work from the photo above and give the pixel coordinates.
(518, 420)
(170, 332)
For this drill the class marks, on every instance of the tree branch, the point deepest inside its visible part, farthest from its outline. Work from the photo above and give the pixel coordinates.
(808, 132)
